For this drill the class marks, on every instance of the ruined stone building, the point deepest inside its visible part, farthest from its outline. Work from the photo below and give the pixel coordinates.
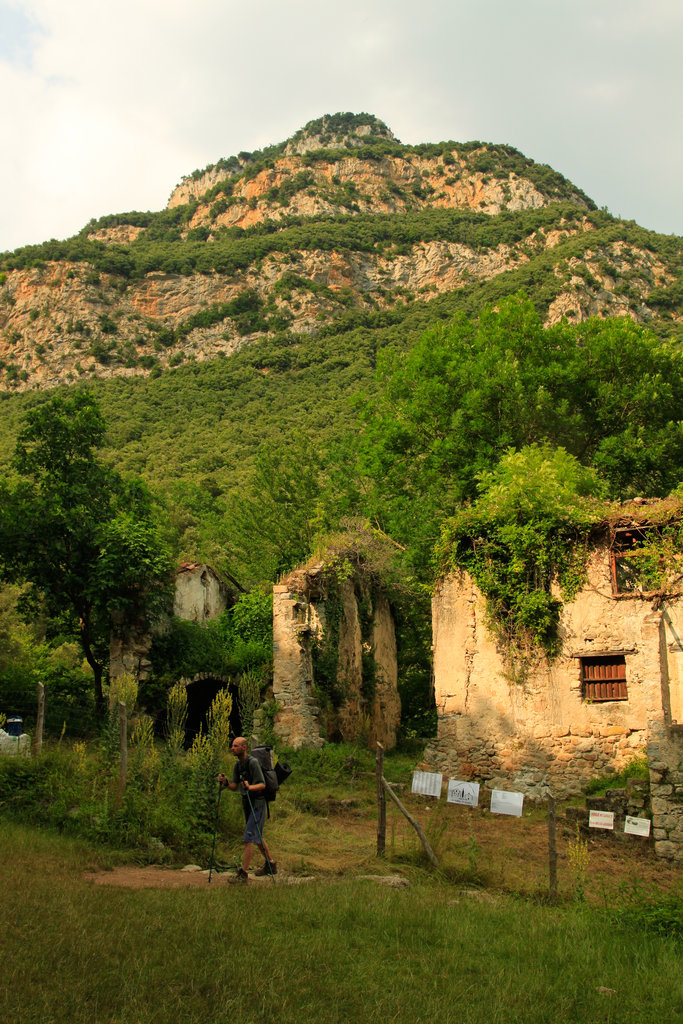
(614, 692)
(199, 595)
(334, 658)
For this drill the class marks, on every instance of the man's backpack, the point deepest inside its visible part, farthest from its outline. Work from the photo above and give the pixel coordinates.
(273, 776)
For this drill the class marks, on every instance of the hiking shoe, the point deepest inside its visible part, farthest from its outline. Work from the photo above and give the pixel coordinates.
(265, 870)
(242, 876)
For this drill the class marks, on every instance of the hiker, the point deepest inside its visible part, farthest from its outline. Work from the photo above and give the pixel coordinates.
(248, 777)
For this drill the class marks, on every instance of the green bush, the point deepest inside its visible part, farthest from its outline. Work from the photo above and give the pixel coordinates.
(661, 913)
(637, 768)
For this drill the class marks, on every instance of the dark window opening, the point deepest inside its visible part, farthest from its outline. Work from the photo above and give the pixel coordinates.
(604, 678)
(629, 574)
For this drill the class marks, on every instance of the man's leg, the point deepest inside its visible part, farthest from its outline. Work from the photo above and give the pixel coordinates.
(253, 835)
(264, 850)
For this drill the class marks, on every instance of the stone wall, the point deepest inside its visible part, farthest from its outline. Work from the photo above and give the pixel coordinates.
(298, 722)
(300, 619)
(200, 595)
(665, 758)
(538, 733)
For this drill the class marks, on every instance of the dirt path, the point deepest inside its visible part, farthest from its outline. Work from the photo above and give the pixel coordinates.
(496, 852)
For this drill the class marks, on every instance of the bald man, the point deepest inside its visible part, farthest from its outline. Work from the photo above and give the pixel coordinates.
(247, 777)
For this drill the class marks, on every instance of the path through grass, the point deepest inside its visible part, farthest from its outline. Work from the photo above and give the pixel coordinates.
(334, 952)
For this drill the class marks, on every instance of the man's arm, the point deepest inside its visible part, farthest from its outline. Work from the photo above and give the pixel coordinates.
(256, 787)
(223, 780)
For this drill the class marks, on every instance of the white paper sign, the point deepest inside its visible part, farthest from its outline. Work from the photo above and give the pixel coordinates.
(637, 826)
(427, 783)
(601, 819)
(503, 802)
(463, 793)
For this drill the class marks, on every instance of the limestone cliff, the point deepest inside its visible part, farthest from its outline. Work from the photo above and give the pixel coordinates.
(341, 219)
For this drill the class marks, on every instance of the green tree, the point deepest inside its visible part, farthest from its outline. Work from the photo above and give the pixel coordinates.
(272, 522)
(85, 538)
(607, 391)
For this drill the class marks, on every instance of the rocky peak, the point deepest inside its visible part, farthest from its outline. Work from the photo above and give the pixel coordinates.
(339, 131)
(340, 223)
(331, 131)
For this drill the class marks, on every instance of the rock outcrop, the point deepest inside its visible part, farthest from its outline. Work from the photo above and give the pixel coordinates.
(136, 293)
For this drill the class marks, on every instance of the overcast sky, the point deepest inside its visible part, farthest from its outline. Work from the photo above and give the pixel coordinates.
(106, 105)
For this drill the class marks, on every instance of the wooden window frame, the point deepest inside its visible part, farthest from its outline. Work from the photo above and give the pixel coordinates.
(603, 678)
(619, 554)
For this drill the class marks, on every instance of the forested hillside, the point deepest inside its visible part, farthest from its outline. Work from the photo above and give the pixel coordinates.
(300, 263)
(255, 347)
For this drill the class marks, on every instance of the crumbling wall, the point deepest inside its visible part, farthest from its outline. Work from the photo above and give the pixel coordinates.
(665, 760)
(385, 717)
(536, 731)
(365, 658)
(200, 595)
(129, 651)
(298, 721)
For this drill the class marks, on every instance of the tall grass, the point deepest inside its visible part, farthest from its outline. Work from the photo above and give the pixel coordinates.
(168, 810)
(339, 952)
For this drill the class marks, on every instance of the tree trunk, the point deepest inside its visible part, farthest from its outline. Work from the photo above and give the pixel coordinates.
(96, 666)
(40, 721)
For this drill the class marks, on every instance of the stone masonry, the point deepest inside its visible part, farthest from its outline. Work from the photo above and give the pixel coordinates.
(299, 619)
(538, 733)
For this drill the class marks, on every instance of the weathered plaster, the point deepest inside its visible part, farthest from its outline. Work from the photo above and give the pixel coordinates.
(299, 618)
(200, 594)
(538, 734)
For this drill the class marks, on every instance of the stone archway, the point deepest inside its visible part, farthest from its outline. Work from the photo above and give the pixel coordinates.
(201, 691)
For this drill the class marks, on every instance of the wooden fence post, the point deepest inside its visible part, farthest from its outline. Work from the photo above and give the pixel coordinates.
(552, 849)
(416, 824)
(40, 721)
(123, 760)
(381, 802)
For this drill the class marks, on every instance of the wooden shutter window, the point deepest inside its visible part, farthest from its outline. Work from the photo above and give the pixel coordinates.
(604, 678)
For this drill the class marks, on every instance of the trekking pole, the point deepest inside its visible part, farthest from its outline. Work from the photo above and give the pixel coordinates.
(215, 829)
(260, 835)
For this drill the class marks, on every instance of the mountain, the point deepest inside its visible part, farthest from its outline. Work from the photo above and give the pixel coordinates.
(338, 228)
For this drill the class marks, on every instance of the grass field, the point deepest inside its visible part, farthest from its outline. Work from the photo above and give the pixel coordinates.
(339, 948)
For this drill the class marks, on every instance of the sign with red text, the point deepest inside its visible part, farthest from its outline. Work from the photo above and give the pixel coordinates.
(601, 819)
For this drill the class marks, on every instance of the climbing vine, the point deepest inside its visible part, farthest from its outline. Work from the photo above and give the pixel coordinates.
(325, 647)
(525, 542)
(366, 600)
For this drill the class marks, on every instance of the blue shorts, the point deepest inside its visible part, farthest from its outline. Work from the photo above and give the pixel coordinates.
(253, 832)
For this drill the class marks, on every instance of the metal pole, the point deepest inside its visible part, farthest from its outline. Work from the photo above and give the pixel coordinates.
(381, 802)
(552, 850)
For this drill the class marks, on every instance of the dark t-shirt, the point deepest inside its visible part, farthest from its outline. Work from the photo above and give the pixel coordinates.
(250, 770)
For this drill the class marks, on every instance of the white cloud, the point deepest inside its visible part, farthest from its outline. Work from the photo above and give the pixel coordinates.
(106, 106)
